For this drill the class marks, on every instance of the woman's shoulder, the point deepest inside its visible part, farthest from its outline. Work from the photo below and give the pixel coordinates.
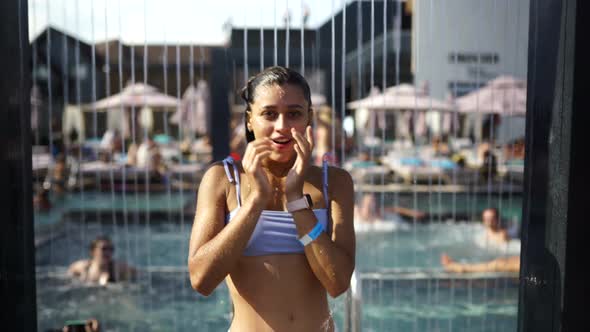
(218, 167)
(79, 266)
(336, 175)
(217, 174)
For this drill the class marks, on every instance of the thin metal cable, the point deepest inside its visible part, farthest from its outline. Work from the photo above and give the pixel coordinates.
(511, 175)
(94, 112)
(123, 133)
(275, 34)
(414, 191)
(134, 135)
(383, 88)
(147, 171)
(454, 127)
(383, 137)
(333, 80)
(343, 84)
(108, 93)
(261, 41)
(287, 43)
(79, 105)
(167, 133)
(303, 9)
(245, 49)
(381, 261)
(429, 140)
(36, 123)
(180, 190)
(359, 29)
(50, 125)
(66, 98)
(397, 34)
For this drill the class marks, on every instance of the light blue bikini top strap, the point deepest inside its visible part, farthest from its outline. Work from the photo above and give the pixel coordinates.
(236, 177)
(325, 180)
(226, 161)
(325, 191)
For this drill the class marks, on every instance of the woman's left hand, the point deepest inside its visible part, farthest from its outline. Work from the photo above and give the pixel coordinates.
(295, 177)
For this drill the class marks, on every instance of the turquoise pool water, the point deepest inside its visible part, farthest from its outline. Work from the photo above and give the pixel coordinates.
(163, 301)
(434, 203)
(93, 201)
(449, 205)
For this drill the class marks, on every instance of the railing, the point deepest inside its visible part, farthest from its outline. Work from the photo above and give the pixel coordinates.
(354, 296)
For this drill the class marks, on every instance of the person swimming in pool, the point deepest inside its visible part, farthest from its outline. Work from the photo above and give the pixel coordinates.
(101, 268)
(494, 231)
(500, 264)
(277, 229)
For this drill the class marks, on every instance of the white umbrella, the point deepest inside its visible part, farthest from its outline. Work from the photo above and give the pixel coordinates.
(401, 97)
(137, 95)
(195, 111)
(505, 95)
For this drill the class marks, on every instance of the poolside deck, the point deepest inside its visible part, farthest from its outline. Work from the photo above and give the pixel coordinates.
(494, 188)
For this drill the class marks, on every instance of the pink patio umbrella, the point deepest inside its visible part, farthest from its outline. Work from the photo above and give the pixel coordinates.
(137, 95)
(401, 97)
(504, 95)
(408, 101)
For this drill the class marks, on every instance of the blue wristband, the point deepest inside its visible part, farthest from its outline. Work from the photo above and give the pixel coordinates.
(315, 232)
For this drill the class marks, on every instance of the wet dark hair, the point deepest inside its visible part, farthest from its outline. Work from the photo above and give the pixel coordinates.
(270, 76)
(493, 209)
(100, 238)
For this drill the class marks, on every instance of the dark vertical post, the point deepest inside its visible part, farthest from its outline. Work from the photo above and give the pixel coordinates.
(17, 276)
(220, 112)
(576, 290)
(552, 287)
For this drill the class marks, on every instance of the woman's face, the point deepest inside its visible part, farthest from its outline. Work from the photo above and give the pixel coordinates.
(277, 109)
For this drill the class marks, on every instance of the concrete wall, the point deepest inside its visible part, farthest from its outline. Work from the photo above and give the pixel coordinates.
(468, 27)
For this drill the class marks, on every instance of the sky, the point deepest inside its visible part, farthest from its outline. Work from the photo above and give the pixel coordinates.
(171, 21)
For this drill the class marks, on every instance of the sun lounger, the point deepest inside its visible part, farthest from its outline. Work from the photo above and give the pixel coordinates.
(417, 170)
(124, 176)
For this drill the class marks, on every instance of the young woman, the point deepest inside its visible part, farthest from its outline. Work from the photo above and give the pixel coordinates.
(277, 229)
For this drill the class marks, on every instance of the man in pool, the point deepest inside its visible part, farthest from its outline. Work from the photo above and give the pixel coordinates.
(501, 264)
(495, 232)
(101, 268)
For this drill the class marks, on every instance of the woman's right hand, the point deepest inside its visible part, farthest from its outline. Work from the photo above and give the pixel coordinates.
(256, 152)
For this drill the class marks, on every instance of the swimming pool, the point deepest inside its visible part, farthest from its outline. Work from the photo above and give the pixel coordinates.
(93, 201)
(163, 300)
(443, 206)
(440, 205)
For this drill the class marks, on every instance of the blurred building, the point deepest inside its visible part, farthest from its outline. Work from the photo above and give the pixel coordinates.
(458, 59)
(252, 49)
(458, 46)
(62, 73)
(70, 71)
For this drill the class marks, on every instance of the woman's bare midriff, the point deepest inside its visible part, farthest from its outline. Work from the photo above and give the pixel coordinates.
(278, 293)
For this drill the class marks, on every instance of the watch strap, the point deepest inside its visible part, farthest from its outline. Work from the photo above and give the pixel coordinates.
(299, 204)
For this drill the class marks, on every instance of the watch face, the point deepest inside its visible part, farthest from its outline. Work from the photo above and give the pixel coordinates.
(309, 201)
